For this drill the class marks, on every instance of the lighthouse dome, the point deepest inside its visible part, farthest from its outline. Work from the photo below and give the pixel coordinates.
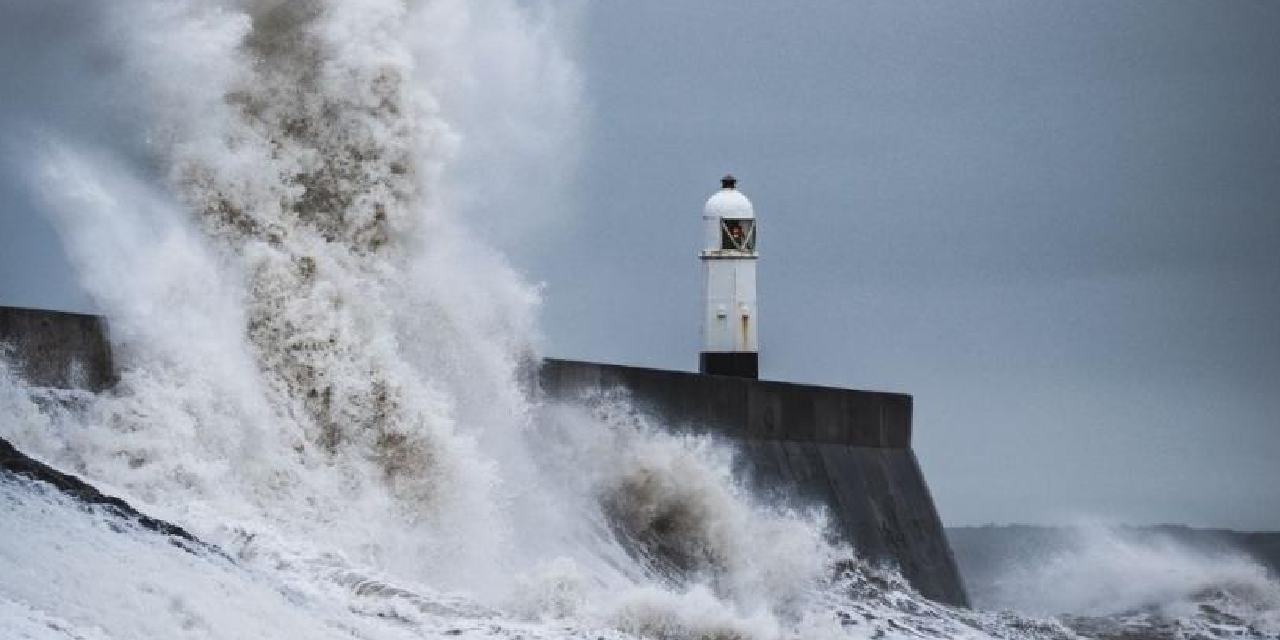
(728, 202)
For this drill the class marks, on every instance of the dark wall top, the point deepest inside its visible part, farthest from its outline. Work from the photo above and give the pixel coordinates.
(746, 408)
(57, 349)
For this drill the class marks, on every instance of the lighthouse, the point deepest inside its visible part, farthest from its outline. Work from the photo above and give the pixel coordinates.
(729, 320)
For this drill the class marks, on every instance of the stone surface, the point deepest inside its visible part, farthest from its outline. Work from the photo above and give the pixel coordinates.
(742, 407)
(57, 349)
(847, 451)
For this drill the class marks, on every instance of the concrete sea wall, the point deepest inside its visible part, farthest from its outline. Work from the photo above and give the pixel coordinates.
(848, 451)
(57, 349)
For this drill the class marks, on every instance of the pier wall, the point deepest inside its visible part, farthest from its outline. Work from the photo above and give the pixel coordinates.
(847, 451)
(57, 349)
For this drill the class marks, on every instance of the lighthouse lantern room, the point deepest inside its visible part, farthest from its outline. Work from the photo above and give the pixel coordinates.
(729, 325)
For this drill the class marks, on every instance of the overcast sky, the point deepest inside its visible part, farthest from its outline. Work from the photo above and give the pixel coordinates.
(1056, 224)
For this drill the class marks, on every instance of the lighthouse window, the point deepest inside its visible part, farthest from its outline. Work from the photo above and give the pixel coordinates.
(738, 235)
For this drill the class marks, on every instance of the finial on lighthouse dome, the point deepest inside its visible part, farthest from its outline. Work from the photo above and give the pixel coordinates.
(728, 202)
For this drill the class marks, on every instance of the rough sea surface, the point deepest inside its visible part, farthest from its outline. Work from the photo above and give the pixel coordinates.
(324, 374)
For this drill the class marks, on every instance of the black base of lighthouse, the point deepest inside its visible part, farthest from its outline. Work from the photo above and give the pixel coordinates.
(737, 364)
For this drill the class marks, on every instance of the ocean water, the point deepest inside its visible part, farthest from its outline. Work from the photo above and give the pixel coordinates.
(325, 374)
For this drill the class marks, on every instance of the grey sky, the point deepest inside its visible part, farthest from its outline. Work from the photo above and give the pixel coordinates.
(1055, 223)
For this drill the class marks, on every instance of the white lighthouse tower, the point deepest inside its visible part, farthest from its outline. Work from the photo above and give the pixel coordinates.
(729, 321)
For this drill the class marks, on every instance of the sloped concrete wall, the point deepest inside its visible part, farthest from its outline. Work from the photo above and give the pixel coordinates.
(849, 451)
(57, 349)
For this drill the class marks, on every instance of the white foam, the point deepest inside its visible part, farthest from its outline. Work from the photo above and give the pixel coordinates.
(324, 369)
(1102, 571)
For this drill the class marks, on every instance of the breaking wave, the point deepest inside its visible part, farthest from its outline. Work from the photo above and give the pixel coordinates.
(325, 370)
(1123, 582)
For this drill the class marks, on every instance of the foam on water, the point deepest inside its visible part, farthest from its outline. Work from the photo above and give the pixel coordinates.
(325, 372)
(1100, 570)
(1112, 581)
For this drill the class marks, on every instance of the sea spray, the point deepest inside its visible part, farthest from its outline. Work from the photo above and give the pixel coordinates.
(352, 342)
(325, 371)
(300, 176)
(1113, 581)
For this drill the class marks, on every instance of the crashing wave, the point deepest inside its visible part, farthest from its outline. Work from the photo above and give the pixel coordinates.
(324, 372)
